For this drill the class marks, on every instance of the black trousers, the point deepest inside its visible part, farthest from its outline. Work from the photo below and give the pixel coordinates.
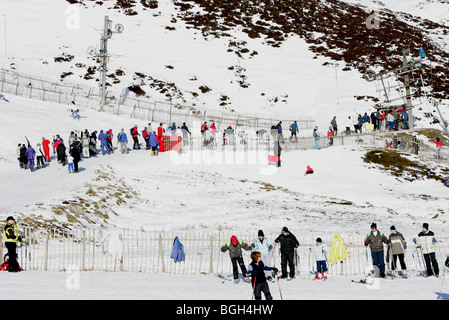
(235, 270)
(136, 143)
(287, 259)
(431, 262)
(262, 287)
(401, 261)
(12, 253)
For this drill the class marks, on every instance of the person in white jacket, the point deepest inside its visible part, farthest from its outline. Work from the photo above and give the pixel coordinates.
(320, 252)
(265, 247)
(348, 125)
(426, 240)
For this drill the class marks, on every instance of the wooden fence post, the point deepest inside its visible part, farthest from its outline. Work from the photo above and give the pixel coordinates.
(161, 251)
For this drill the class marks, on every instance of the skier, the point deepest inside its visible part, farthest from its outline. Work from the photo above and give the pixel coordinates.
(308, 171)
(257, 270)
(71, 137)
(75, 153)
(265, 247)
(23, 157)
(146, 138)
(390, 120)
(294, 130)
(288, 243)
(277, 152)
(334, 125)
(320, 252)
(109, 136)
(160, 131)
(46, 146)
(75, 114)
(185, 133)
(104, 143)
(60, 149)
(235, 246)
(153, 144)
(135, 134)
(85, 144)
(375, 240)
(348, 124)
(330, 134)
(426, 240)
(123, 140)
(316, 136)
(398, 245)
(40, 157)
(30, 156)
(93, 144)
(70, 163)
(438, 146)
(11, 236)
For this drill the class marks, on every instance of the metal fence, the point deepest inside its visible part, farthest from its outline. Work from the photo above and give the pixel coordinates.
(78, 96)
(149, 252)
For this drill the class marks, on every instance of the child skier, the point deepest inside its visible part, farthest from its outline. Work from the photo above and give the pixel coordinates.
(70, 163)
(320, 251)
(258, 280)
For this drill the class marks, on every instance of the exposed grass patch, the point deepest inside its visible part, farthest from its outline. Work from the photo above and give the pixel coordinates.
(398, 165)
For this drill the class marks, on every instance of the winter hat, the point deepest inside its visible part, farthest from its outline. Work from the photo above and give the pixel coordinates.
(425, 225)
(284, 229)
(392, 228)
(260, 233)
(373, 225)
(318, 240)
(234, 240)
(10, 218)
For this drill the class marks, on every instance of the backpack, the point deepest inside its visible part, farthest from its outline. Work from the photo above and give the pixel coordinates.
(131, 131)
(144, 134)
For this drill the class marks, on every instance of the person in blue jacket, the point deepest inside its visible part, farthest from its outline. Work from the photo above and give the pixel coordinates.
(123, 140)
(153, 144)
(294, 130)
(30, 155)
(104, 142)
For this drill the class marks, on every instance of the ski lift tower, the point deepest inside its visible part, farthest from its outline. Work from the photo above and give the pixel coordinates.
(103, 56)
(407, 69)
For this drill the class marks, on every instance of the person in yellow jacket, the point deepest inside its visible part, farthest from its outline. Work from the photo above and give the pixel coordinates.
(11, 236)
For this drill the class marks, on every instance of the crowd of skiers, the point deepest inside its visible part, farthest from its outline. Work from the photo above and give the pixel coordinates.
(83, 144)
(397, 245)
(380, 120)
(261, 270)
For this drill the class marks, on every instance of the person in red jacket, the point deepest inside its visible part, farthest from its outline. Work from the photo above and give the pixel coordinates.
(439, 145)
(330, 134)
(135, 135)
(160, 132)
(46, 147)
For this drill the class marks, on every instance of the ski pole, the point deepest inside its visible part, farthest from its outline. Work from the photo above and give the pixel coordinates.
(254, 288)
(279, 286)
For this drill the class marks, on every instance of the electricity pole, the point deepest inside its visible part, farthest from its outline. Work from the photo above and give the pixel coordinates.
(103, 56)
(407, 71)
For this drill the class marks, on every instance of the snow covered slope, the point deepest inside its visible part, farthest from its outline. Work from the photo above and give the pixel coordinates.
(243, 56)
(207, 190)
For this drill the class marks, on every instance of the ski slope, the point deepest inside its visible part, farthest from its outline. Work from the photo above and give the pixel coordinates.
(345, 195)
(206, 196)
